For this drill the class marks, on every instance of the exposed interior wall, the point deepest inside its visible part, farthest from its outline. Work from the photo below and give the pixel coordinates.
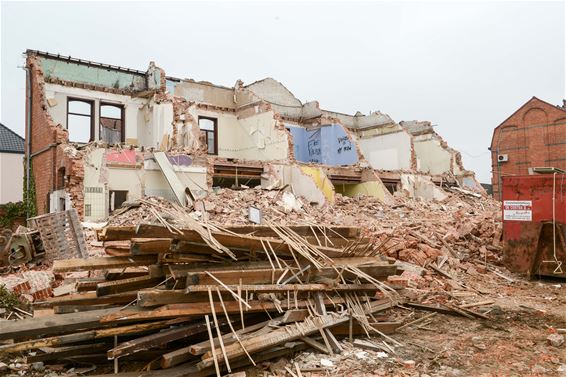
(133, 171)
(421, 186)
(387, 148)
(372, 188)
(327, 144)
(309, 183)
(432, 157)
(248, 136)
(11, 177)
(321, 181)
(202, 92)
(145, 121)
(359, 120)
(99, 76)
(272, 91)
(157, 124)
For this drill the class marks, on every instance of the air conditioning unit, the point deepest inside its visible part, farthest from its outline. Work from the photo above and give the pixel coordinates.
(502, 158)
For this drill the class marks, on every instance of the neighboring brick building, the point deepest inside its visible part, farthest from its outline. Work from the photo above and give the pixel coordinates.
(533, 136)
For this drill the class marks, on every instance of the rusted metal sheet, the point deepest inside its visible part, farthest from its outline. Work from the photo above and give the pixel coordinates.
(529, 212)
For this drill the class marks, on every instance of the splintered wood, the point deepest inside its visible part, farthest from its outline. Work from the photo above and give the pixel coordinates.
(213, 298)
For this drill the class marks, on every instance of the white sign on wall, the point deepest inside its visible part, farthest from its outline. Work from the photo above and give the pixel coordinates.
(518, 210)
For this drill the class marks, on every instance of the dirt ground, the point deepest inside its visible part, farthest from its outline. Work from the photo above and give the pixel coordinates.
(512, 343)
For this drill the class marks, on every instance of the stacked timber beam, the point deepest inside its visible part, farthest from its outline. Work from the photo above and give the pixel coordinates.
(198, 299)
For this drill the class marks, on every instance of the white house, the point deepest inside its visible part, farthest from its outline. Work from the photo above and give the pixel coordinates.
(11, 165)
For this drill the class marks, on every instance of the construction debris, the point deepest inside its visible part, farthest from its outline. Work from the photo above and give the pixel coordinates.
(182, 293)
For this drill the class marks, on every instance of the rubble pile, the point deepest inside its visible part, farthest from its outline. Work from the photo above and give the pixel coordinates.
(461, 227)
(209, 299)
(203, 291)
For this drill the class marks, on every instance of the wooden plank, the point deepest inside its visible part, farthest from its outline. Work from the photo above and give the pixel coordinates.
(124, 273)
(285, 288)
(154, 297)
(44, 326)
(287, 334)
(157, 339)
(301, 230)
(116, 233)
(270, 276)
(125, 285)
(229, 240)
(229, 338)
(229, 277)
(190, 370)
(64, 352)
(141, 246)
(181, 270)
(81, 337)
(117, 245)
(295, 315)
(357, 329)
(200, 309)
(88, 284)
(314, 344)
(101, 263)
(63, 309)
(184, 354)
(367, 345)
(88, 298)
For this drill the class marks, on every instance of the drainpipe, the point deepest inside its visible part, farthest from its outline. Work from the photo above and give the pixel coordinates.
(28, 134)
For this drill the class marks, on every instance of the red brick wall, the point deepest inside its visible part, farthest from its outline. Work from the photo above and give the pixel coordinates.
(43, 134)
(534, 136)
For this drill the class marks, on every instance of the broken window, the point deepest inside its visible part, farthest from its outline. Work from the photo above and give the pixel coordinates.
(210, 128)
(80, 122)
(111, 123)
(117, 197)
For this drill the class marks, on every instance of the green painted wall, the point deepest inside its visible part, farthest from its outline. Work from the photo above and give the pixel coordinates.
(80, 73)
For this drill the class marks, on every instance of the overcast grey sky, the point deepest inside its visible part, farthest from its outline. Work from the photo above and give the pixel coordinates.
(464, 66)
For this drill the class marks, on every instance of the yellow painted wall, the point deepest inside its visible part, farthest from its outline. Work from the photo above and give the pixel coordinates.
(372, 188)
(321, 181)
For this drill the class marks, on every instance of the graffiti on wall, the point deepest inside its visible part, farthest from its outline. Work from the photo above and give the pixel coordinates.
(328, 144)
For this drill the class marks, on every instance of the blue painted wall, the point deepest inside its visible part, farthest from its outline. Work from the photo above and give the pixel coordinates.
(328, 145)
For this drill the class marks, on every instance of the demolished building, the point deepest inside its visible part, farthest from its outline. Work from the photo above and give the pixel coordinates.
(99, 135)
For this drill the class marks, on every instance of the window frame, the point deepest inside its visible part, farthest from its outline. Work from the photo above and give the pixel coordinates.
(92, 116)
(122, 118)
(215, 132)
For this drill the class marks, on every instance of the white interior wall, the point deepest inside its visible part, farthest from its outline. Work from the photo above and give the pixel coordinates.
(205, 93)
(419, 186)
(432, 158)
(390, 151)
(251, 138)
(58, 111)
